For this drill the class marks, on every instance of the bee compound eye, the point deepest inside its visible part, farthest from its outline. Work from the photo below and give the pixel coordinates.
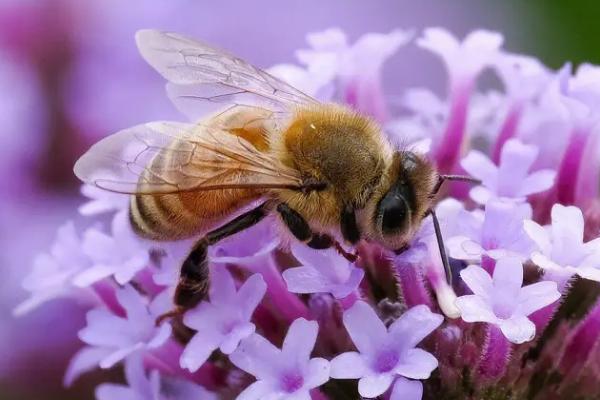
(393, 211)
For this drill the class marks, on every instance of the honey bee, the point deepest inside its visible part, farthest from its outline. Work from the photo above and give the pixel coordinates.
(327, 171)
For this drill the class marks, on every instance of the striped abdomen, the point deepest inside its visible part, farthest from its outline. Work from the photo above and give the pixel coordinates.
(183, 215)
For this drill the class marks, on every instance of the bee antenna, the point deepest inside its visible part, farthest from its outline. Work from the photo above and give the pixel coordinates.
(459, 178)
(442, 248)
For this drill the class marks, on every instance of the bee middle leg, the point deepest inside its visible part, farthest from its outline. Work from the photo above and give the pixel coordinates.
(302, 231)
(193, 283)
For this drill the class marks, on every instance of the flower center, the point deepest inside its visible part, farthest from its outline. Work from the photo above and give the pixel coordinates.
(386, 361)
(292, 381)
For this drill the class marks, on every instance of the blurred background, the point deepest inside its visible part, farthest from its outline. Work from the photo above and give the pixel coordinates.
(70, 74)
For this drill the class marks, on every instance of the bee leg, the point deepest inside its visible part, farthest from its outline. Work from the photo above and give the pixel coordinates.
(302, 231)
(348, 225)
(194, 276)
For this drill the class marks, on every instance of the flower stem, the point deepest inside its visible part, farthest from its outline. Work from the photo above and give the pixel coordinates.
(412, 285)
(287, 304)
(495, 356)
(581, 342)
(449, 148)
(508, 129)
(570, 166)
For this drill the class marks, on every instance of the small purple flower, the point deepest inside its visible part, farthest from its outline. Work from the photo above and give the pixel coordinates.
(225, 320)
(357, 68)
(511, 179)
(466, 59)
(384, 353)
(102, 201)
(496, 234)
(121, 254)
(562, 252)
(501, 300)
(120, 336)
(52, 273)
(150, 386)
(288, 373)
(322, 271)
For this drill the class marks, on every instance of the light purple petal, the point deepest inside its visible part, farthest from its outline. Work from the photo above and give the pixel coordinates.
(480, 194)
(481, 167)
(250, 295)
(536, 296)
(478, 280)
(537, 182)
(317, 373)
(508, 276)
(257, 391)
(515, 160)
(350, 365)
(117, 356)
(567, 225)
(258, 357)
(93, 275)
(232, 340)
(405, 389)
(374, 385)
(109, 391)
(517, 329)
(304, 280)
(464, 248)
(83, 361)
(475, 309)
(539, 235)
(199, 348)
(416, 364)
(222, 286)
(589, 273)
(364, 327)
(353, 282)
(300, 340)
(414, 325)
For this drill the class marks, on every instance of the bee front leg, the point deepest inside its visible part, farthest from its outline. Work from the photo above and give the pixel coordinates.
(302, 231)
(193, 283)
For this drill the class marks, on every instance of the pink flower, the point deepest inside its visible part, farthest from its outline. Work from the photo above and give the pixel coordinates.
(385, 354)
(562, 252)
(503, 301)
(225, 320)
(322, 271)
(511, 179)
(288, 373)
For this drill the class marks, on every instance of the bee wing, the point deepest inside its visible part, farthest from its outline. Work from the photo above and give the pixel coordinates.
(200, 75)
(172, 157)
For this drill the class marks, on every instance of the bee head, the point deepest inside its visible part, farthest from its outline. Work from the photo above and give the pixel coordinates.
(403, 200)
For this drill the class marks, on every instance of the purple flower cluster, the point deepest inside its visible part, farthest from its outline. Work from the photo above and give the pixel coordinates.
(521, 318)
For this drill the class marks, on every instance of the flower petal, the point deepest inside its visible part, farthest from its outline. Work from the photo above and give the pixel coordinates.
(536, 296)
(232, 340)
(405, 389)
(199, 348)
(257, 391)
(414, 325)
(364, 327)
(300, 340)
(222, 286)
(374, 385)
(317, 373)
(481, 167)
(517, 329)
(304, 280)
(350, 365)
(508, 276)
(539, 235)
(475, 309)
(416, 364)
(478, 280)
(250, 295)
(537, 182)
(257, 356)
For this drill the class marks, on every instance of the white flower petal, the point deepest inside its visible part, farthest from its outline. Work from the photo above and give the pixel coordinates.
(374, 385)
(517, 329)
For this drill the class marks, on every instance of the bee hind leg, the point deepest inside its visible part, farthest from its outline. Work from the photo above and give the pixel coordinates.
(193, 283)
